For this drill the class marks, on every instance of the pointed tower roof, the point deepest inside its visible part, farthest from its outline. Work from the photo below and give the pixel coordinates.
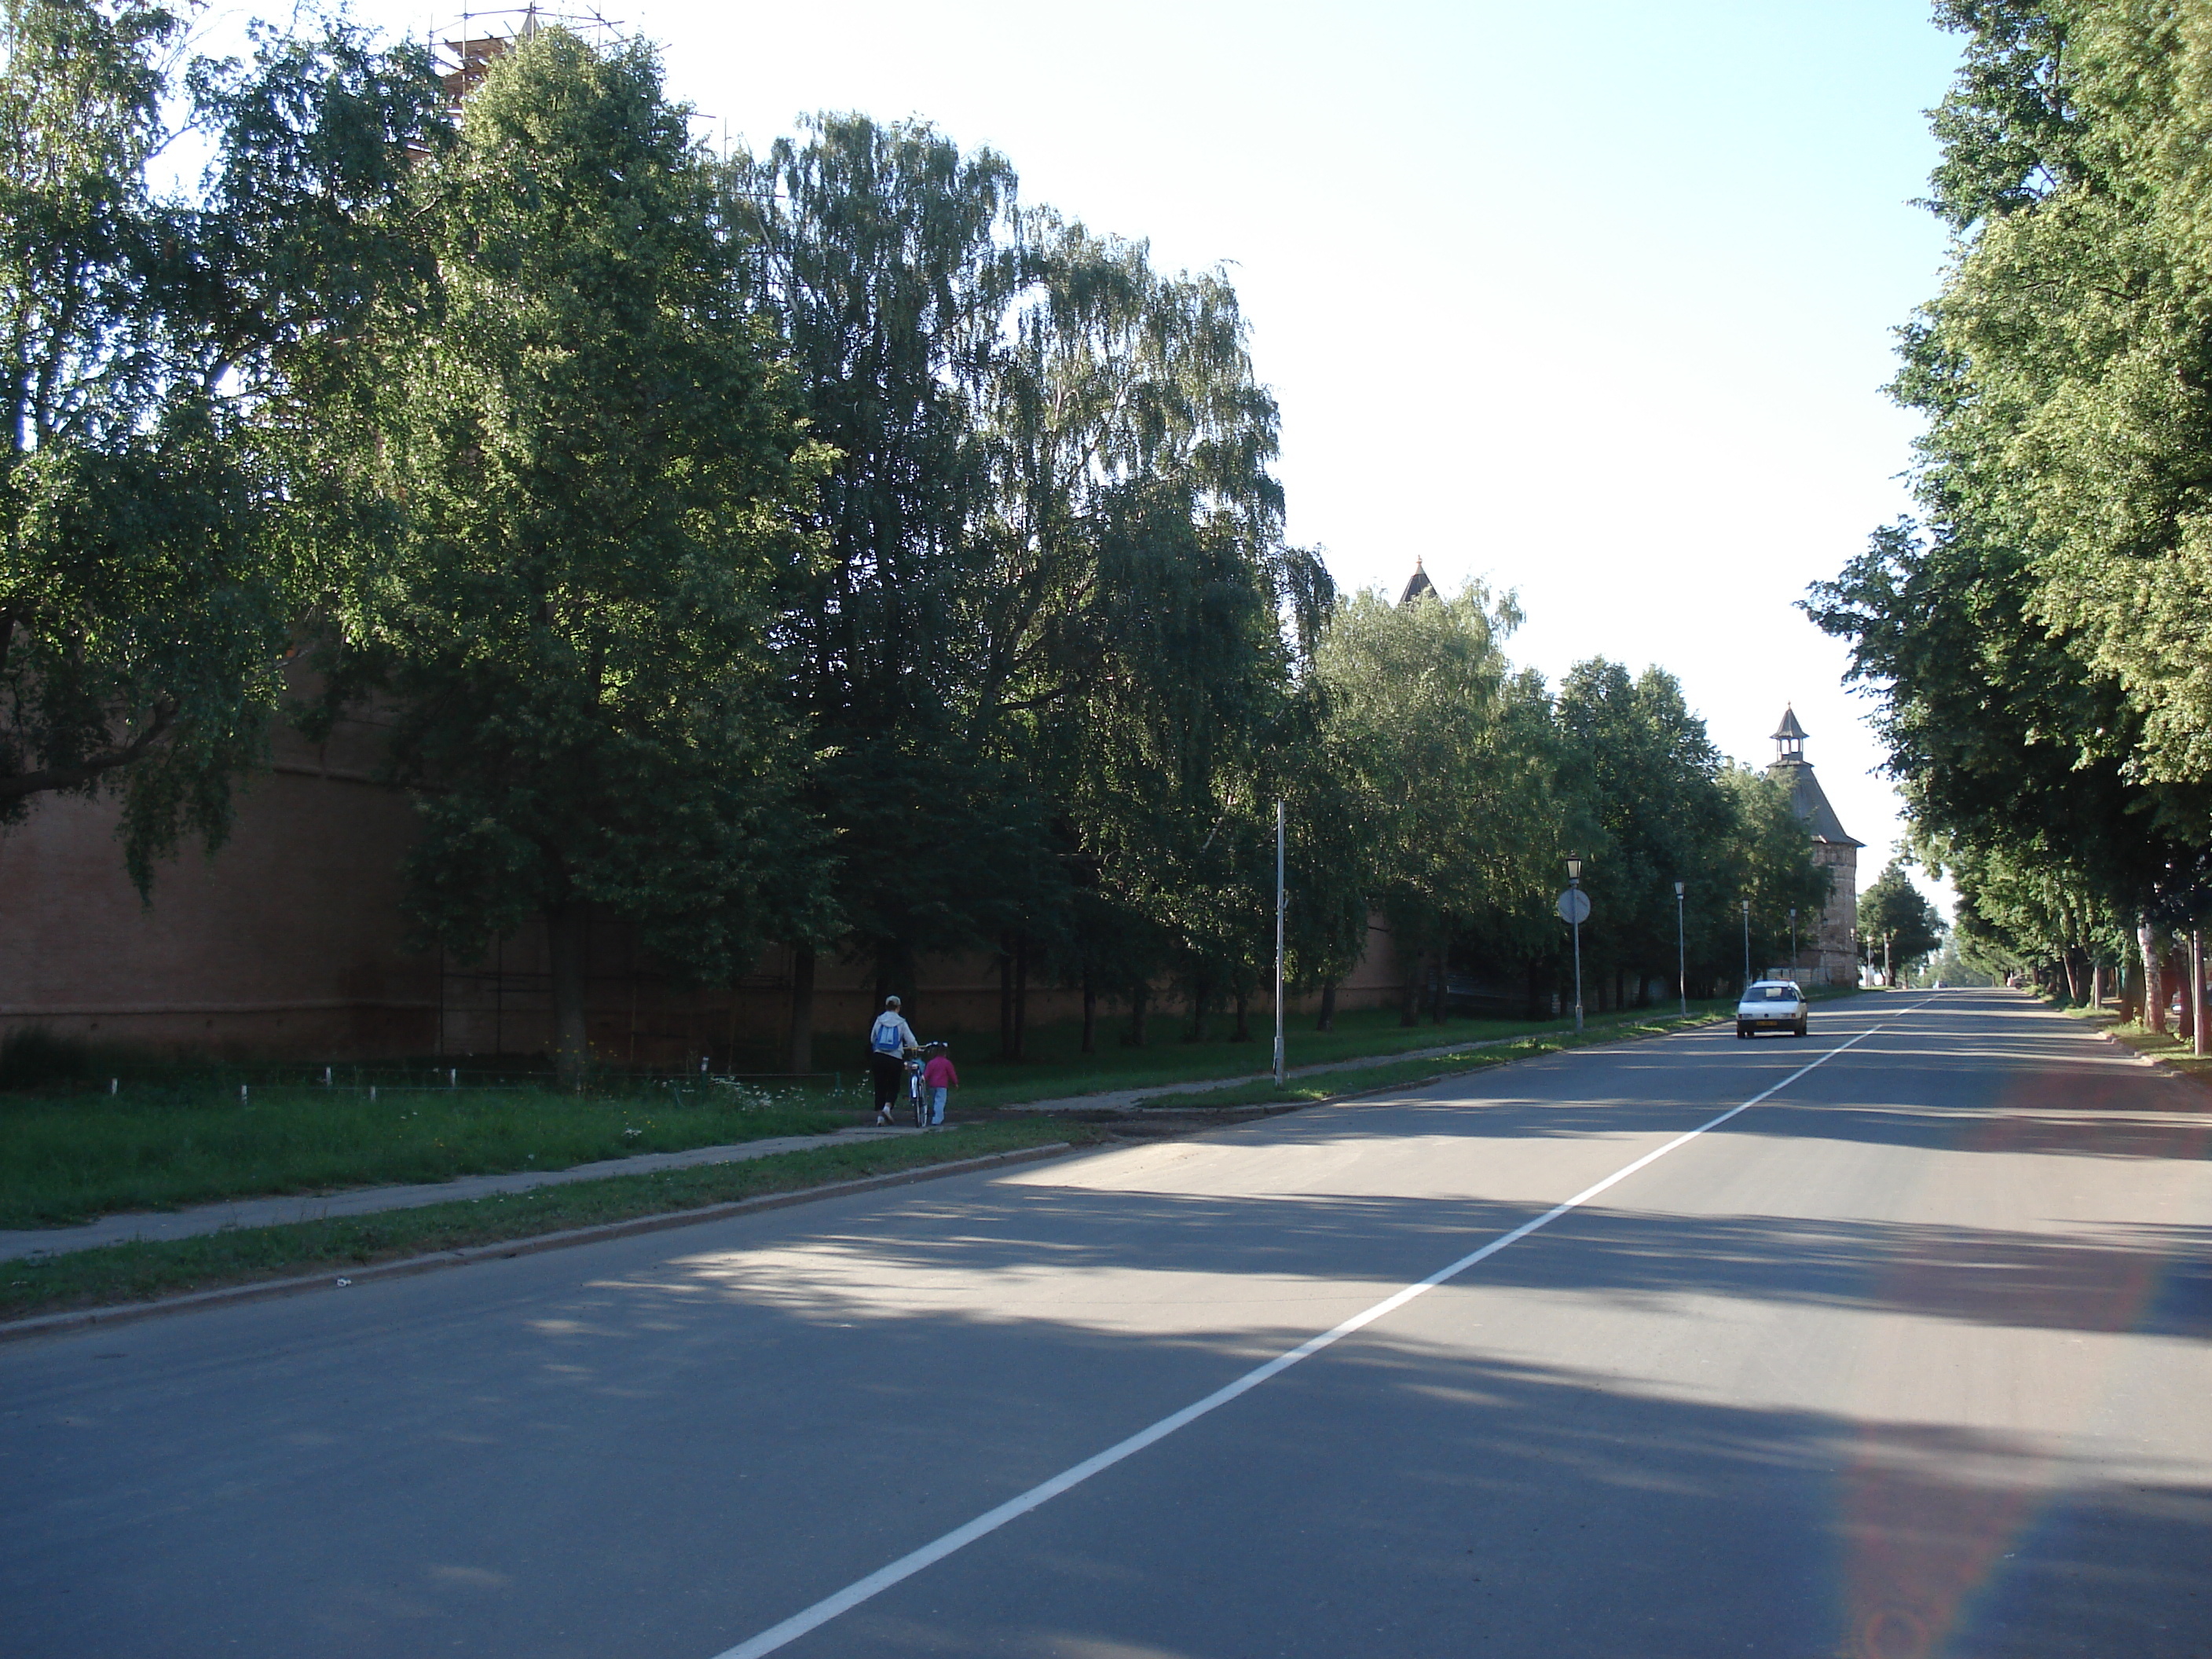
(1419, 585)
(1806, 799)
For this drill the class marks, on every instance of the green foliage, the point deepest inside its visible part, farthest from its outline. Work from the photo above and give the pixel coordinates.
(1769, 860)
(593, 475)
(1664, 808)
(1040, 664)
(152, 569)
(2040, 646)
(1449, 760)
(1893, 916)
(819, 548)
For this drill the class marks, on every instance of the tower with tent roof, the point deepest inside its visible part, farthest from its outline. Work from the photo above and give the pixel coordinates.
(1827, 955)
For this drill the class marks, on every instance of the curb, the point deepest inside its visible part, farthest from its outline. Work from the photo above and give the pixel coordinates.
(2159, 1063)
(83, 1318)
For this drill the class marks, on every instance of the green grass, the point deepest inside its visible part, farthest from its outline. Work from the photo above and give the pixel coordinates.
(68, 1158)
(132, 1272)
(1054, 1068)
(172, 1137)
(1295, 1091)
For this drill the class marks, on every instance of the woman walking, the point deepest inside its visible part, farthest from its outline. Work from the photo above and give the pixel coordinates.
(889, 1040)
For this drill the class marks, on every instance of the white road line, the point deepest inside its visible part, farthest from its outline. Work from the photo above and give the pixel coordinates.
(929, 1554)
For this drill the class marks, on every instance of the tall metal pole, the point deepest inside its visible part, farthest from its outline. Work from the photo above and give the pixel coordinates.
(1574, 882)
(1280, 904)
(1747, 944)
(2196, 992)
(1578, 979)
(1681, 956)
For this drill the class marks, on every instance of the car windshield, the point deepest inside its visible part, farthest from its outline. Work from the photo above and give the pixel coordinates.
(1774, 994)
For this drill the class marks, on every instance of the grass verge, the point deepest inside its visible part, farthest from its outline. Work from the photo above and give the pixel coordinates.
(68, 1157)
(2164, 1046)
(141, 1271)
(1304, 1090)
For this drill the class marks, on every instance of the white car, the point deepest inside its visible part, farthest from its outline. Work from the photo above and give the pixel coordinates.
(1772, 1004)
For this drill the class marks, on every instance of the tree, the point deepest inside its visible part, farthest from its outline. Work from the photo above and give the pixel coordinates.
(1447, 753)
(591, 474)
(1896, 922)
(1144, 624)
(152, 566)
(891, 259)
(2038, 646)
(1770, 863)
(1650, 778)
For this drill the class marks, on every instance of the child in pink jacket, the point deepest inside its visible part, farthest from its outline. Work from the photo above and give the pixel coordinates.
(937, 1077)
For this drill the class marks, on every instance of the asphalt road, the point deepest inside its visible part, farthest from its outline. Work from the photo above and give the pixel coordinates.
(1910, 1358)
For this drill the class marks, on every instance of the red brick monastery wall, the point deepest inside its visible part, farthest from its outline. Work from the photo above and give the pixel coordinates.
(288, 944)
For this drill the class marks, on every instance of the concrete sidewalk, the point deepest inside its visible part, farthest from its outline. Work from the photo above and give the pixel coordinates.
(201, 1220)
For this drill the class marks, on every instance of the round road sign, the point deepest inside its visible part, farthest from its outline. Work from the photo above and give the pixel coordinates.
(1574, 906)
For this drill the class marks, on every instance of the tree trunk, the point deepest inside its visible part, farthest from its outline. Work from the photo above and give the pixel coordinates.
(1139, 995)
(1243, 1031)
(2127, 993)
(2175, 967)
(2073, 979)
(799, 1057)
(1089, 1013)
(1200, 995)
(1021, 997)
(1415, 974)
(1327, 1020)
(565, 946)
(1439, 987)
(2153, 963)
(1005, 998)
(2096, 985)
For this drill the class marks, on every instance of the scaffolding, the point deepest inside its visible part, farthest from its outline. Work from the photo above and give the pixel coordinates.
(463, 63)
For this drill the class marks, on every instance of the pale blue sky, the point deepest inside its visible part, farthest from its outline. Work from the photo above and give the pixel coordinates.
(1593, 303)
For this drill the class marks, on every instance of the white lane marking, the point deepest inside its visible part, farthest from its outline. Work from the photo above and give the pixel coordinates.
(929, 1554)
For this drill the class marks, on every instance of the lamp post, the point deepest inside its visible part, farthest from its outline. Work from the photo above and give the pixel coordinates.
(1681, 956)
(1793, 938)
(1574, 885)
(1279, 906)
(1886, 983)
(2196, 1043)
(1747, 944)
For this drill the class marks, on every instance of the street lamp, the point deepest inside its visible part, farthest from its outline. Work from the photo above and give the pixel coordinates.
(1281, 904)
(1574, 885)
(1793, 937)
(1747, 943)
(1681, 955)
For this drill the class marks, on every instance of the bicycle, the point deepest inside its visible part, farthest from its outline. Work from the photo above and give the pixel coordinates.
(916, 1093)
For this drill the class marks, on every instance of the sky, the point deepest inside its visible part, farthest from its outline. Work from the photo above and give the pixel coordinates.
(1589, 303)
